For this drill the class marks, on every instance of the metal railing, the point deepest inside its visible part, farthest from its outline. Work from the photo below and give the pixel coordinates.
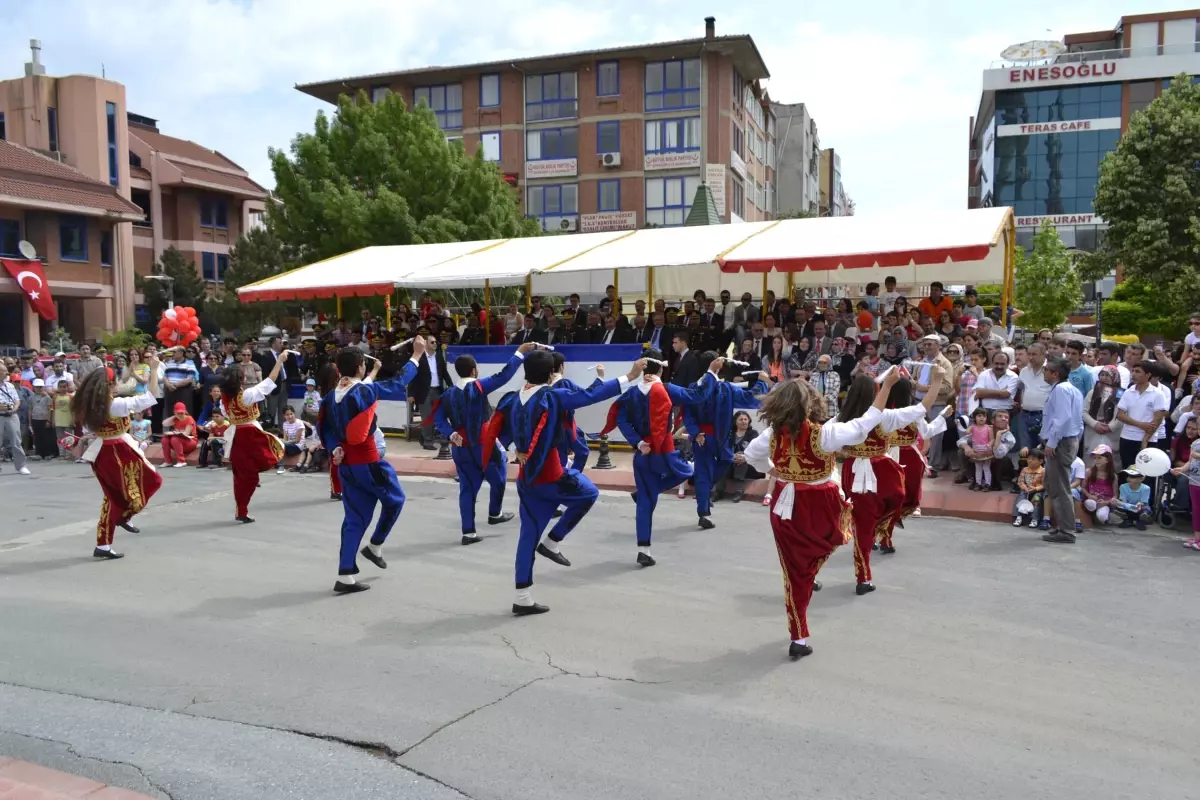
(1103, 55)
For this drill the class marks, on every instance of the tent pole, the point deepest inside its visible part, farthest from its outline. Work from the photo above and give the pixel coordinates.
(339, 307)
(528, 293)
(791, 279)
(764, 300)
(650, 289)
(387, 311)
(616, 290)
(487, 306)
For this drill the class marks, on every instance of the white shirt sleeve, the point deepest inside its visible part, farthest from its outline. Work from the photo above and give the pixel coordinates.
(758, 452)
(836, 435)
(930, 429)
(124, 406)
(256, 394)
(896, 418)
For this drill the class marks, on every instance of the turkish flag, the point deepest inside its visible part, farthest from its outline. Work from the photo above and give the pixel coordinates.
(32, 280)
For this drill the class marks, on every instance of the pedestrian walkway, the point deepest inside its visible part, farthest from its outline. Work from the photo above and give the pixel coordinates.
(20, 780)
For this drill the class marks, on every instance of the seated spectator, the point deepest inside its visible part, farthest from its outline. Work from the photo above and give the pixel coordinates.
(212, 449)
(827, 383)
(293, 437)
(1181, 454)
(739, 472)
(212, 404)
(1133, 500)
(179, 437)
(748, 354)
(139, 429)
(1030, 484)
(1190, 471)
(312, 402)
(1100, 486)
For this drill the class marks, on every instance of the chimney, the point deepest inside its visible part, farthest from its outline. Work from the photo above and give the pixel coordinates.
(35, 67)
(710, 27)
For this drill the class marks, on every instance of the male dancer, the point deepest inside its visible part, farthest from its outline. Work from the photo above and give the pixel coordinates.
(347, 429)
(459, 415)
(644, 418)
(527, 419)
(708, 424)
(569, 439)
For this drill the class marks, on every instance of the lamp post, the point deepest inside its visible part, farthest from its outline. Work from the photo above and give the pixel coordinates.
(170, 287)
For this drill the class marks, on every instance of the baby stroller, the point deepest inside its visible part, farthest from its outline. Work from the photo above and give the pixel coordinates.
(1165, 502)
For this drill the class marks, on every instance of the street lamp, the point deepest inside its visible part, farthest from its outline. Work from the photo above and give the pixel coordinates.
(170, 288)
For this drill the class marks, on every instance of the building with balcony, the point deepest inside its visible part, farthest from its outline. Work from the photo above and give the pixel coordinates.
(608, 139)
(834, 201)
(1043, 127)
(798, 160)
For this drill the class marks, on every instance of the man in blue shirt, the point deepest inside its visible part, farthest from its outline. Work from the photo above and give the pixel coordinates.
(1062, 425)
(1133, 500)
(1081, 376)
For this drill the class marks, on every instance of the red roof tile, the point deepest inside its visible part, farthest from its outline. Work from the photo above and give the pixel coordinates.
(238, 184)
(28, 175)
(139, 172)
(170, 146)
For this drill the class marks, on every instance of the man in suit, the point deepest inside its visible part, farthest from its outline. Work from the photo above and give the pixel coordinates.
(613, 334)
(554, 333)
(659, 335)
(687, 366)
(710, 319)
(757, 335)
(529, 333)
(433, 378)
(821, 341)
(472, 334)
(639, 309)
(745, 315)
(594, 331)
(277, 401)
(574, 310)
(641, 329)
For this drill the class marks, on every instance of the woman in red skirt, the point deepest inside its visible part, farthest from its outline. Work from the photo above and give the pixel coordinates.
(873, 480)
(909, 440)
(809, 516)
(127, 479)
(248, 447)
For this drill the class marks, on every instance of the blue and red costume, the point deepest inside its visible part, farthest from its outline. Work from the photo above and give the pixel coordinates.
(464, 410)
(571, 440)
(644, 415)
(714, 418)
(528, 419)
(347, 420)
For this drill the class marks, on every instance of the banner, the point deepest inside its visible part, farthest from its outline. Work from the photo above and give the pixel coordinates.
(32, 281)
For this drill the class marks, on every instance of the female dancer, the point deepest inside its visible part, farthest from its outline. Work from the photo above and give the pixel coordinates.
(327, 380)
(248, 447)
(809, 517)
(873, 480)
(906, 448)
(127, 479)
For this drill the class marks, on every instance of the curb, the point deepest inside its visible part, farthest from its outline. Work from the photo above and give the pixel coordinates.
(20, 779)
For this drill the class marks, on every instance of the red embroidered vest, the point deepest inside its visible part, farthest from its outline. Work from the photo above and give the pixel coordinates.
(799, 458)
(906, 436)
(113, 428)
(876, 444)
(240, 413)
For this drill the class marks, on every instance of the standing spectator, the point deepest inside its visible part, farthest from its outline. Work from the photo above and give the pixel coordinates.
(997, 387)
(827, 383)
(890, 295)
(1181, 452)
(210, 374)
(1034, 389)
(1134, 354)
(312, 402)
(139, 429)
(277, 401)
(1062, 425)
(149, 353)
(937, 302)
(931, 348)
(1142, 409)
(251, 372)
(10, 420)
(85, 364)
(745, 315)
(1081, 376)
(64, 422)
(431, 380)
(180, 378)
(1190, 470)
(687, 369)
(179, 437)
(58, 372)
(1108, 354)
(971, 308)
(1100, 410)
(41, 421)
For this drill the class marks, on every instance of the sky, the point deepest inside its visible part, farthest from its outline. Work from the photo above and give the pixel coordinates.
(892, 86)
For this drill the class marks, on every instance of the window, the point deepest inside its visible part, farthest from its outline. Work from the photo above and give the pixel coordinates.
(489, 91)
(673, 85)
(673, 135)
(52, 124)
(551, 96)
(110, 110)
(72, 238)
(141, 199)
(554, 206)
(738, 202)
(10, 237)
(378, 92)
(608, 137)
(444, 101)
(739, 141)
(768, 197)
(106, 244)
(668, 200)
(736, 91)
(208, 266)
(214, 212)
(491, 145)
(2, 135)
(551, 143)
(608, 79)
(134, 159)
(1141, 94)
(608, 195)
(222, 267)
(1060, 104)
(1052, 173)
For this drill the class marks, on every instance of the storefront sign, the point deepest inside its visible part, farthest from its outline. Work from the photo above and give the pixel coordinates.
(608, 221)
(554, 168)
(1064, 72)
(714, 176)
(1059, 219)
(685, 160)
(1071, 126)
(737, 164)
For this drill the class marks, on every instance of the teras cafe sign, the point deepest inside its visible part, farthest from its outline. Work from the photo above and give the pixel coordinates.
(1057, 73)
(1068, 126)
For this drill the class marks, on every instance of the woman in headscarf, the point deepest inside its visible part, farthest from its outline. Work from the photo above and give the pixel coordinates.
(1100, 413)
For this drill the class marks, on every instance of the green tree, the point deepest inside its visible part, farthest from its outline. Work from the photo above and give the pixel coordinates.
(1149, 194)
(380, 174)
(1136, 307)
(258, 254)
(186, 286)
(1047, 283)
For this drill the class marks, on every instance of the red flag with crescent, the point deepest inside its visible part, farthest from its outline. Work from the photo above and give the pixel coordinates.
(32, 280)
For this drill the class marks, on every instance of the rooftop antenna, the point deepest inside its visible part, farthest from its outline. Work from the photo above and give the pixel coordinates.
(103, 74)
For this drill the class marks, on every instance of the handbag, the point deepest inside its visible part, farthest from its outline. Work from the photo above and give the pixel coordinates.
(127, 387)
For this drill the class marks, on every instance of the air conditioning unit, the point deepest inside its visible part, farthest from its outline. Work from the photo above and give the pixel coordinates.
(610, 159)
(569, 224)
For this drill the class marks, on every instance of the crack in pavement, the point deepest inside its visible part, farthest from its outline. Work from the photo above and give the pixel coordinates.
(71, 749)
(564, 671)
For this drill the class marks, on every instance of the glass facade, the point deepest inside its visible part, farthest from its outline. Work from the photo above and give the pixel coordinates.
(1050, 173)
(1058, 104)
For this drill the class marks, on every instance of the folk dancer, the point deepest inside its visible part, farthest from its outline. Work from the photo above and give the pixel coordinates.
(570, 440)
(874, 481)
(644, 419)
(907, 444)
(347, 428)
(709, 425)
(460, 415)
(809, 517)
(249, 449)
(327, 378)
(527, 419)
(126, 477)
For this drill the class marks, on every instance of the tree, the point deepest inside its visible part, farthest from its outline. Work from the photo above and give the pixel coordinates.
(258, 254)
(186, 286)
(59, 341)
(1149, 194)
(1047, 283)
(1136, 307)
(380, 174)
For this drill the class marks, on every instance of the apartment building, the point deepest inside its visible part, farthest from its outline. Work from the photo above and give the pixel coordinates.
(609, 139)
(834, 201)
(798, 160)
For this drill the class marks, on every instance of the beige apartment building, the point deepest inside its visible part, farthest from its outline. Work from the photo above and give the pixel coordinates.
(100, 193)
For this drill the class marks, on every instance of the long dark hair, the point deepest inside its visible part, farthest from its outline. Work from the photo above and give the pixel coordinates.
(859, 397)
(327, 378)
(231, 381)
(90, 405)
(901, 395)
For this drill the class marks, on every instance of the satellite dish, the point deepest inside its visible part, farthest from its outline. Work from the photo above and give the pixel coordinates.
(27, 250)
(1033, 51)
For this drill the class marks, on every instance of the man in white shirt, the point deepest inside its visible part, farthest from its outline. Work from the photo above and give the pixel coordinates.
(1142, 408)
(888, 299)
(997, 387)
(1034, 391)
(1193, 338)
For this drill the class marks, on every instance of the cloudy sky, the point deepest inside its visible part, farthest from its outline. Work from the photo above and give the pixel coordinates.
(891, 85)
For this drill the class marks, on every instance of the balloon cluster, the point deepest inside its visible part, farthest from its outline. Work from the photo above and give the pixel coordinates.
(178, 326)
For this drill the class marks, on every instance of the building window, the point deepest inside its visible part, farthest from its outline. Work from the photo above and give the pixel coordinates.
(673, 135)
(2, 133)
(739, 141)
(736, 91)
(551, 143)
(1141, 94)
(141, 199)
(444, 101)
(608, 79)
(608, 195)
(551, 96)
(214, 212)
(52, 124)
(134, 159)
(378, 93)
(489, 91)
(72, 238)
(668, 200)
(110, 111)
(1050, 173)
(106, 244)
(738, 201)
(608, 137)
(673, 85)
(555, 206)
(10, 237)
(222, 267)
(1060, 104)
(491, 145)
(208, 266)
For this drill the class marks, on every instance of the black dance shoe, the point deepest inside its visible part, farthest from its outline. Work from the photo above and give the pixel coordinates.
(374, 559)
(796, 651)
(125, 526)
(707, 524)
(864, 588)
(645, 560)
(350, 588)
(504, 517)
(245, 519)
(107, 554)
(525, 611)
(557, 558)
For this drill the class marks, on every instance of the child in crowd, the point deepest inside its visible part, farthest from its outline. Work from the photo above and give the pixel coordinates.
(980, 443)
(1098, 490)
(1133, 500)
(312, 402)
(139, 428)
(293, 437)
(1029, 484)
(311, 450)
(1192, 470)
(64, 422)
(1002, 468)
(41, 421)
(212, 449)
(1078, 473)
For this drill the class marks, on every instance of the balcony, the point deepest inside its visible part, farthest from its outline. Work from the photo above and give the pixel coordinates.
(1083, 56)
